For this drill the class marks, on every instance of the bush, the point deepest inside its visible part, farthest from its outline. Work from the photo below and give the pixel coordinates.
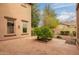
(62, 32)
(43, 33)
(65, 33)
(37, 31)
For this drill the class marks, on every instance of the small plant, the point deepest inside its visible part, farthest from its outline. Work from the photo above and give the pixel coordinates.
(65, 33)
(61, 32)
(37, 32)
(43, 33)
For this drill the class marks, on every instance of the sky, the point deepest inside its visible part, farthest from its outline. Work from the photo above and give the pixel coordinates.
(64, 11)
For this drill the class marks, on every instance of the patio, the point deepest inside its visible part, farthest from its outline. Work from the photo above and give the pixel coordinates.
(32, 47)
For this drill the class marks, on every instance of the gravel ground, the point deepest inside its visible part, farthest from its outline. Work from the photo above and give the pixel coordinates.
(32, 47)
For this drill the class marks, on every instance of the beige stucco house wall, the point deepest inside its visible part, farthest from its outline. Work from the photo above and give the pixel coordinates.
(18, 12)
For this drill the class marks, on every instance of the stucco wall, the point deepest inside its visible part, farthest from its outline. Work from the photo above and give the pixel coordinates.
(78, 23)
(19, 13)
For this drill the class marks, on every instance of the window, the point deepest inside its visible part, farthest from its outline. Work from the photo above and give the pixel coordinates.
(24, 27)
(10, 25)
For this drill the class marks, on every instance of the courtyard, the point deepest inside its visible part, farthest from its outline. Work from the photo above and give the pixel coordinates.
(30, 46)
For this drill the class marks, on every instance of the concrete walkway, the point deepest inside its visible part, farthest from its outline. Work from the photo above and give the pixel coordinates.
(30, 46)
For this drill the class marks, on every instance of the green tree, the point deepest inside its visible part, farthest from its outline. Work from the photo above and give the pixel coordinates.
(50, 19)
(35, 15)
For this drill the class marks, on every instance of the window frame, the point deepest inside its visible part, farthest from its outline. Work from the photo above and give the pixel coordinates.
(24, 33)
(8, 18)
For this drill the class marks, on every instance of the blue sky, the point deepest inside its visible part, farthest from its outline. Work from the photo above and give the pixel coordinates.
(64, 11)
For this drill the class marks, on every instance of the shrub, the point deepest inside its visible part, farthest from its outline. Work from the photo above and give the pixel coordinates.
(62, 32)
(43, 33)
(65, 33)
(37, 31)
